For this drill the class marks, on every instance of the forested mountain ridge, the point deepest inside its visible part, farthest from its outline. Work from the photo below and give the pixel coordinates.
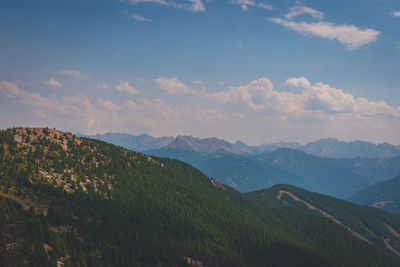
(384, 195)
(248, 168)
(83, 202)
(370, 224)
(319, 174)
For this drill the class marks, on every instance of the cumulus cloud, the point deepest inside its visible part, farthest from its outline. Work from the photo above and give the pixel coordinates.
(299, 10)
(107, 104)
(53, 83)
(71, 106)
(79, 113)
(395, 13)
(140, 18)
(309, 102)
(349, 35)
(296, 83)
(173, 86)
(74, 73)
(126, 87)
(310, 109)
(130, 104)
(191, 5)
(9, 89)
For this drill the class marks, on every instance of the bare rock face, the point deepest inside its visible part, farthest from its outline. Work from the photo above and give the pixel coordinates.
(218, 184)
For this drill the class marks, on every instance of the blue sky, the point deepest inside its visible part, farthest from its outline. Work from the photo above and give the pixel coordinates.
(258, 71)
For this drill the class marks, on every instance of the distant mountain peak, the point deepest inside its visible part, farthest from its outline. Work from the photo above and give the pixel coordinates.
(211, 145)
(334, 148)
(142, 142)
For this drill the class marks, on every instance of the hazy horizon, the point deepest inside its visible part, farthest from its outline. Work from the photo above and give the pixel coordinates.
(255, 71)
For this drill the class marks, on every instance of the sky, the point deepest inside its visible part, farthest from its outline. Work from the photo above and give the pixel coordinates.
(251, 70)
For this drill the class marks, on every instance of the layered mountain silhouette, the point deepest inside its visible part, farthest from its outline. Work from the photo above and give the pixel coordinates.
(328, 147)
(248, 168)
(203, 146)
(83, 202)
(384, 195)
(140, 143)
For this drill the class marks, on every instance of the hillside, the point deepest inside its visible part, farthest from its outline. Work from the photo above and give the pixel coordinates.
(320, 175)
(238, 171)
(375, 226)
(248, 168)
(81, 202)
(339, 178)
(384, 195)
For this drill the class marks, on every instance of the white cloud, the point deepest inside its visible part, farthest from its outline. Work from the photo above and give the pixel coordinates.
(161, 2)
(69, 107)
(196, 6)
(309, 112)
(140, 18)
(130, 104)
(9, 89)
(126, 87)
(301, 82)
(265, 5)
(52, 82)
(74, 73)
(173, 86)
(107, 104)
(245, 4)
(102, 86)
(191, 5)
(198, 82)
(395, 13)
(253, 95)
(299, 10)
(220, 83)
(317, 101)
(349, 35)
(210, 115)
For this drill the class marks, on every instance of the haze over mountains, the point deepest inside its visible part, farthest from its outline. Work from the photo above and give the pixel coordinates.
(326, 166)
(384, 195)
(327, 147)
(140, 143)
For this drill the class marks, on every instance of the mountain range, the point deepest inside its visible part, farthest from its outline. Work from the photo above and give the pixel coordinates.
(139, 143)
(75, 201)
(247, 168)
(328, 147)
(384, 195)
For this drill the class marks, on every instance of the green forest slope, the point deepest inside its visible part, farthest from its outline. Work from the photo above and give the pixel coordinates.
(83, 202)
